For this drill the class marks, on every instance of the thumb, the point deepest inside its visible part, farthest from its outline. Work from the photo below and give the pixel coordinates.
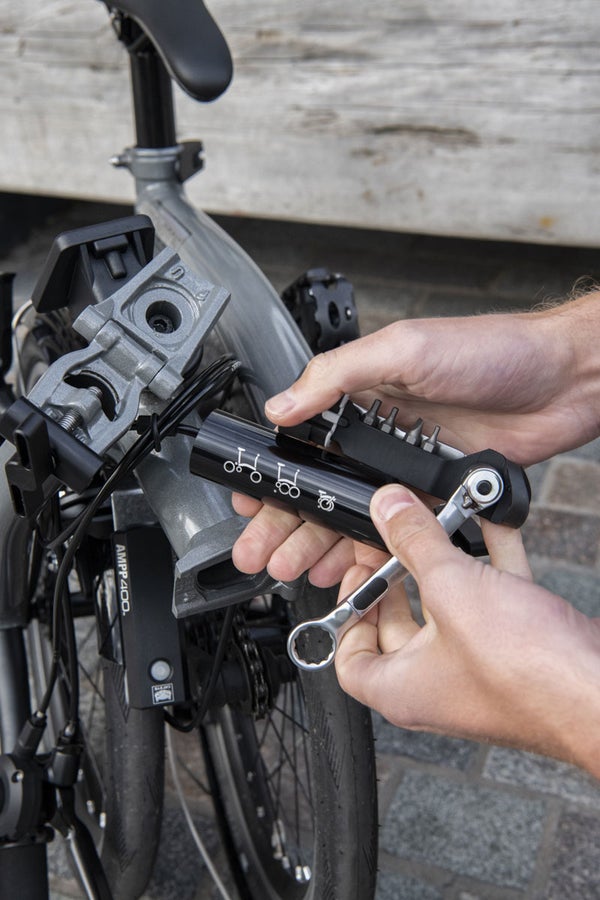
(410, 531)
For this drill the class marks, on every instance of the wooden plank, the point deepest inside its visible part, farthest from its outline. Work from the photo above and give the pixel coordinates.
(448, 117)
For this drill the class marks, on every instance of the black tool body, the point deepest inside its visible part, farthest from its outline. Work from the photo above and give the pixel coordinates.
(254, 460)
(291, 468)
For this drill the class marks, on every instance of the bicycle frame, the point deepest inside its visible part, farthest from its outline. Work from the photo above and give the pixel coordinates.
(257, 328)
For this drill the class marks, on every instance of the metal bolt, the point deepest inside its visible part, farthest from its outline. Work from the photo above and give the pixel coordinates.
(71, 420)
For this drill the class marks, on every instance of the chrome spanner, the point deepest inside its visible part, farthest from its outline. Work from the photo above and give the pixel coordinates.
(481, 488)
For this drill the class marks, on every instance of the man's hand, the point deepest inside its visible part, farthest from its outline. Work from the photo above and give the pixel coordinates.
(527, 385)
(498, 659)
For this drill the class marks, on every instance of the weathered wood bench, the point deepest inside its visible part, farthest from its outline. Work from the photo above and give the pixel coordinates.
(436, 116)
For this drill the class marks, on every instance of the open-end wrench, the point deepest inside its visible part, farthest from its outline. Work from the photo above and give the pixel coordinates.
(480, 489)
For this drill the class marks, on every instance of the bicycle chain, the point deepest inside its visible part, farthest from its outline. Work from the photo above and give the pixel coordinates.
(254, 665)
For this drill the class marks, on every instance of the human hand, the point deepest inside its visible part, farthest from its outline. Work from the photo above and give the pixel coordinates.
(523, 384)
(499, 659)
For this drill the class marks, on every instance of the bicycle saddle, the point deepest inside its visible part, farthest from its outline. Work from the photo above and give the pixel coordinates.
(189, 41)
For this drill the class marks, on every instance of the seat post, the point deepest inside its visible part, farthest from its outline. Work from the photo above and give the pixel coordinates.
(152, 90)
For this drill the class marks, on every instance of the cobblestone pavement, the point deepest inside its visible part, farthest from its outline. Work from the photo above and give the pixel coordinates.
(459, 820)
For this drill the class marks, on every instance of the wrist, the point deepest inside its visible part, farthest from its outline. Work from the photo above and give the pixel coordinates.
(577, 700)
(571, 333)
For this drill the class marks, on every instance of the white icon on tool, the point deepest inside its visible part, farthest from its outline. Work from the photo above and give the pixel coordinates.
(287, 486)
(236, 465)
(326, 501)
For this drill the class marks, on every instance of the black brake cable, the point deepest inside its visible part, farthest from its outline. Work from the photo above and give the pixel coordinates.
(210, 684)
(224, 369)
(208, 382)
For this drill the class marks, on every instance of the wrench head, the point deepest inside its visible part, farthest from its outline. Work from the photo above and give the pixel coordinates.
(312, 645)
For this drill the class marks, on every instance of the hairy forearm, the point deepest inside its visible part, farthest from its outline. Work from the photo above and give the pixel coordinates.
(572, 332)
(577, 697)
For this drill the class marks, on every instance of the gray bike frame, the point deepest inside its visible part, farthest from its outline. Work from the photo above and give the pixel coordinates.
(196, 516)
(256, 327)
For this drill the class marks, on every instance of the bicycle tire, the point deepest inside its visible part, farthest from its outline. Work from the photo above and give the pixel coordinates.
(339, 758)
(124, 816)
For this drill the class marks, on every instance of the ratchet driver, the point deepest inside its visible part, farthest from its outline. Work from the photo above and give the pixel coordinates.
(313, 644)
(329, 467)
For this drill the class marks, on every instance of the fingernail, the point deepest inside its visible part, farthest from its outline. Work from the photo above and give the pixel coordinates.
(280, 404)
(391, 500)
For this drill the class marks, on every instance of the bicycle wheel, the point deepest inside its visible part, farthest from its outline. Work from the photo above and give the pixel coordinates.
(294, 789)
(120, 791)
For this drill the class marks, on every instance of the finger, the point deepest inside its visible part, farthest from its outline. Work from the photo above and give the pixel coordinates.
(244, 505)
(391, 617)
(269, 528)
(505, 546)
(355, 366)
(330, 569)
(411, 532)
(361, 641)
(301, 550)
(395, 622)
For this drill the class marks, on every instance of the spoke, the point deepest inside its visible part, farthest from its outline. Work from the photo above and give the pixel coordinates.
(263, 736)
(89, 678)
(294, 720)
(83, 641)
(269, 775)
(282, 751)
(197, 781)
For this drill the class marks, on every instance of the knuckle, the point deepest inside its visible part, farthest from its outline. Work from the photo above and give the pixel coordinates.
(410, 531)
(320, 366)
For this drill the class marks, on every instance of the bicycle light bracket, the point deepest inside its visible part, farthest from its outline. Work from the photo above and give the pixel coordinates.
(142, 340)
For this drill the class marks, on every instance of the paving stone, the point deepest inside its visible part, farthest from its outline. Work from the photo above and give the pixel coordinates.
(179, 882)
(538, 773)
(575, 873)
(579, 587)
(432, 748)
(58, 862)
(575, 483)
(401, 887)
(588, 451)
(537, 476)
(562, 536)
(467, 828)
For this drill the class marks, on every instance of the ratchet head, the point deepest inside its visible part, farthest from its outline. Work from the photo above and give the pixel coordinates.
(483, 487)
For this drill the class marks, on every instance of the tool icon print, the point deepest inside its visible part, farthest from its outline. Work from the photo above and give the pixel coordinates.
(326, 501)
(287, 486)
(237, 465)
